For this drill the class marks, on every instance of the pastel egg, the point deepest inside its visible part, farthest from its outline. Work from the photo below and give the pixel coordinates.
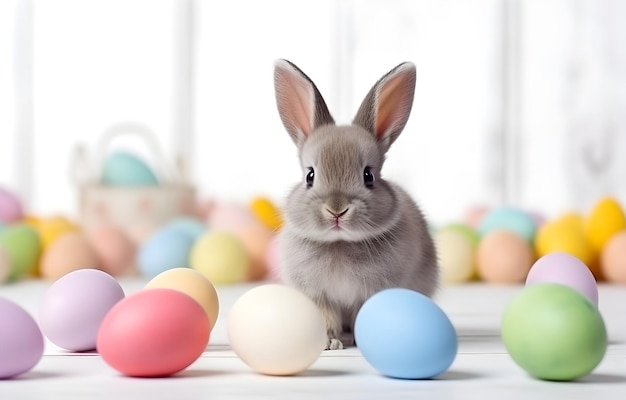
(276, 330)
(503, 257)
(456, 250)
(613, 259)
(5, 265)
(122, 168)
(221, 257)
(74, 306)
(68, 253)
(50, 229)
(10, 206)
(256, 239)
(474, 215)
(553, 332)
(605, 220)
(267, 212)
(22, 343)
(566, 235)
(114, 249)
(193, 284)
(229, 217)
(153, 333)
(508, 218)
(23, 247)
(272, 260)
(405, 335)
(193, 227)
(164, 250)
(567, 270)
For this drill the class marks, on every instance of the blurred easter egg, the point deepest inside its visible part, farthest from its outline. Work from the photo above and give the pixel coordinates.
(74, 306)
(508, 218)
(193, 284)
(153, 333)
(5, 265)
(567, 270)
(605, 220)
(456, 250)
(230, 217)
(503, 257)
(221, 257)
(21, 341)
(192, 227)
(68, 253)
(10, 206)
(50, 229)
(2, 226)
(164, 250)
(565, 235)
(474, 215)
(265, 210)
(272, 260)
(256, 239)
(23, 246)
(141, 232)
(613, 258)
(114, 249)
(125, 169)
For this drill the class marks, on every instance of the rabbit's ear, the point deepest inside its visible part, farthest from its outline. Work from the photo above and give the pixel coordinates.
(300, 104)
(386, 108)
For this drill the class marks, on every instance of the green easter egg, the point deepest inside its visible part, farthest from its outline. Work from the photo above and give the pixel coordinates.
(553, 332)
(124, 169)
(23, 247)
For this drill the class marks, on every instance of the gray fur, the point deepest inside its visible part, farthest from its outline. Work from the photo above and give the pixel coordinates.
(382, 240)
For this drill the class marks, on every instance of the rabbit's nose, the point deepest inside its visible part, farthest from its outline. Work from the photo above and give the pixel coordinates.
(337, 214)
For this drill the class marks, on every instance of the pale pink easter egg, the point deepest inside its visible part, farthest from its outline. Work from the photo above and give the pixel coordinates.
(114, 249)
(69, 252)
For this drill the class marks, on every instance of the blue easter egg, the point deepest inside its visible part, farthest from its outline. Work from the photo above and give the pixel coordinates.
(124, 169)
(192, 227)
(404, 334)
(511, 219)
(164, 250)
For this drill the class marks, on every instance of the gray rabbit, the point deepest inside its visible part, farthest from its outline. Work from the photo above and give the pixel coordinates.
(348, 233)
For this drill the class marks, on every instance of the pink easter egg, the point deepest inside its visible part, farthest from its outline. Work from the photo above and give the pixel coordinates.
(272, 261)
(10, 207)
(114, 249)
(230, 217)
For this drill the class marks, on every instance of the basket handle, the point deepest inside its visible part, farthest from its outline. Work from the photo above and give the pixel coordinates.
(83, 171)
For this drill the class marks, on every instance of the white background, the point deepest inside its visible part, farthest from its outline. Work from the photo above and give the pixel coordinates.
(517, 101)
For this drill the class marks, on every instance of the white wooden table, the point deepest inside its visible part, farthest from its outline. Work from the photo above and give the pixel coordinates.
(482, 369)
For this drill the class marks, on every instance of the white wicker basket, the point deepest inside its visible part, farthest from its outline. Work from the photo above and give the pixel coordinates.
(131, 208)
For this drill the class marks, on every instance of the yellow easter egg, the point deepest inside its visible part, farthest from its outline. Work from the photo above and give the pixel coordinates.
(221, 257)
(456, 252)
(267, 213)
(605, 220)
(193, 284)
(50, 229)
(567, 237)
(572, 220)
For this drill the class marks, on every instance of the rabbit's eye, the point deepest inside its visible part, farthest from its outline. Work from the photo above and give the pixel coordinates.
(368, 177)
(310, 176)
